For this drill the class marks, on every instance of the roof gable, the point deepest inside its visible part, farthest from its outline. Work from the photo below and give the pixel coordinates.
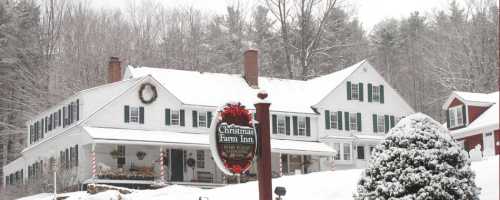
(469, 98)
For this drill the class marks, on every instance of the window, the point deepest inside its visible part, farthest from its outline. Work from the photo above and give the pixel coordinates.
(456, 116)
(121, 156)
(175, 117)
(281, 125)
(200, 159)
(202, 119)
(375, 93)
(347, 151)
(353, 121)
(134, 115)
(74, 111)
(336, 146)
(334, 120)
(354, 92)
(361, 152)
(302, 126)
(380, 123)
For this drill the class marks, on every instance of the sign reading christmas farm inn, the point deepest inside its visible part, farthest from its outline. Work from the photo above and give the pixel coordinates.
(233, 139)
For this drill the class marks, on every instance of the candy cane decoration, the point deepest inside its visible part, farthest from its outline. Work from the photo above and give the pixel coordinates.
(162, 170)
(94, 174)
(281, 166)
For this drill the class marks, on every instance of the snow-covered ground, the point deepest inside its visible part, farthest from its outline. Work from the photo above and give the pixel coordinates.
(322, 186)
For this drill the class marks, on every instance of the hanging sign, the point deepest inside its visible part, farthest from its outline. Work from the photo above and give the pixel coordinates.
(233, 139)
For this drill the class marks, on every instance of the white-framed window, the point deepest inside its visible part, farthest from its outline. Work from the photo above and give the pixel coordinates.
(281, 125)
(202, 119)
(456, 116)
(354, 92)
(302, 126)
(375, 93)
(361, 152)
(336, 146)
(334, 120)
(175, 117)
(353, 121)
(134, 114)
(347, 151)
(380, 123)
(200, 159)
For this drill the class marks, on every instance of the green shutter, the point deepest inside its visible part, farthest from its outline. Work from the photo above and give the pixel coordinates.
(275, 124)
(359, 121)
(195, 118)
(167, 117)
(464, 115)
(369, 87)
(374, 123)
(327, 119)
(287, 125)
(381, 94)
(209, 119)
(386, 121)
(295, 125)
(448, 118)
(308, 126)
(339, 117)
(346, 119)
(182, 118)
(141, 115)
(360, 91)
(392, 121)
(125, 114)
(348, 90)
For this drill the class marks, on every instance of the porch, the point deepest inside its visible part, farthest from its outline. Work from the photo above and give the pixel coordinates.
(139, 158)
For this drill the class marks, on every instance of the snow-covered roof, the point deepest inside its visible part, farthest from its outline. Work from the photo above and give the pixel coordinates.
(176, 139)
(488, 120)
(215, 89)
(470, 98)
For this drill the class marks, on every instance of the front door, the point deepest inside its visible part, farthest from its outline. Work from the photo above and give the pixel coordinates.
(489, 144)
(177, 163)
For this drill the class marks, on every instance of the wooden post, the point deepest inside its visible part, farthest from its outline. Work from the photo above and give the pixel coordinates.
(94, 172)
(264, 142)
(162, 169)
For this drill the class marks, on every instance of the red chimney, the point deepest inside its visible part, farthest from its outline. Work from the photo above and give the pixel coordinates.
(251, 67)
(114, 70)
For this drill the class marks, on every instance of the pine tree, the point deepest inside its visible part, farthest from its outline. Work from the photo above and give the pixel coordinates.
(418, 160)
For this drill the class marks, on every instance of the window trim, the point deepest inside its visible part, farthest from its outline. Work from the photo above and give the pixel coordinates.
(300, 121)
(380, 123)
(344, 154)
(375, 93)
(454, 114)
(354, 95)
(131, 116)
(200, 114)
(334, 120)
(198, 160)
(173, 119)
(337, 156)
(280, 118)
(353, 122)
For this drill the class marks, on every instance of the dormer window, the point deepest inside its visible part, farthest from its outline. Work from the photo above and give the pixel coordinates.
(456, 116)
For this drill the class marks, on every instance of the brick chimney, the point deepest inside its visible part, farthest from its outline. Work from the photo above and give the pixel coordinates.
(251, 67)
(114, 70)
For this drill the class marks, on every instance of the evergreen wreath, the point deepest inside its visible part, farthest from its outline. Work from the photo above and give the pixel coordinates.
(153, 88)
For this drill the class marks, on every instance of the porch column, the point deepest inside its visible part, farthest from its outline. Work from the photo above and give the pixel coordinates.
(281, 165)
(162, 169)
(93, 158)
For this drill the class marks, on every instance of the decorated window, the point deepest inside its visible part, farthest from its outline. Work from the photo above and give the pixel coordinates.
(175, 117)
(281, 125)
(380, 123)
(353, 121)
(202, 119)
(302, 126)
(336, 146)
(347, 151)
(200, 159)
(456, 116)
(334, 120)
(134, 115)
(354, 92)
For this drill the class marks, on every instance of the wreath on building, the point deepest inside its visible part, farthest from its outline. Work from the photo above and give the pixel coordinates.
(152, 89)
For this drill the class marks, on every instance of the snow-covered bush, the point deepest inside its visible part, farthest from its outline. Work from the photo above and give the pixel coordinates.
(418, 160)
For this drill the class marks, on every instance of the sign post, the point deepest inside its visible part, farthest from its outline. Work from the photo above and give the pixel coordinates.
(264, 160)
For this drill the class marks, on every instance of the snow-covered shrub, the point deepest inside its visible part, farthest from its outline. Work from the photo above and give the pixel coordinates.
(418, 160)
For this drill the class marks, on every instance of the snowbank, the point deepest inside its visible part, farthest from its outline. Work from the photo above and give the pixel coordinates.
(338, 185)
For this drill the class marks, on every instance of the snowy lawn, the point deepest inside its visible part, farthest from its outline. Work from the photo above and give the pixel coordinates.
(338, 185)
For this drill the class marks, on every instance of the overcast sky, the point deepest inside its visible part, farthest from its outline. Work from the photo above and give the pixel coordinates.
(369, 12)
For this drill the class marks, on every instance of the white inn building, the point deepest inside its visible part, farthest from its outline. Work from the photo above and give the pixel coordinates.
(332, 121)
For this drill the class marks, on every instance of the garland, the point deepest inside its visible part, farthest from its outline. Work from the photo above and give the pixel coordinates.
(153, 88)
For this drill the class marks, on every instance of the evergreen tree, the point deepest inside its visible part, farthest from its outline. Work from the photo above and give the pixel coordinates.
(418, 160)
